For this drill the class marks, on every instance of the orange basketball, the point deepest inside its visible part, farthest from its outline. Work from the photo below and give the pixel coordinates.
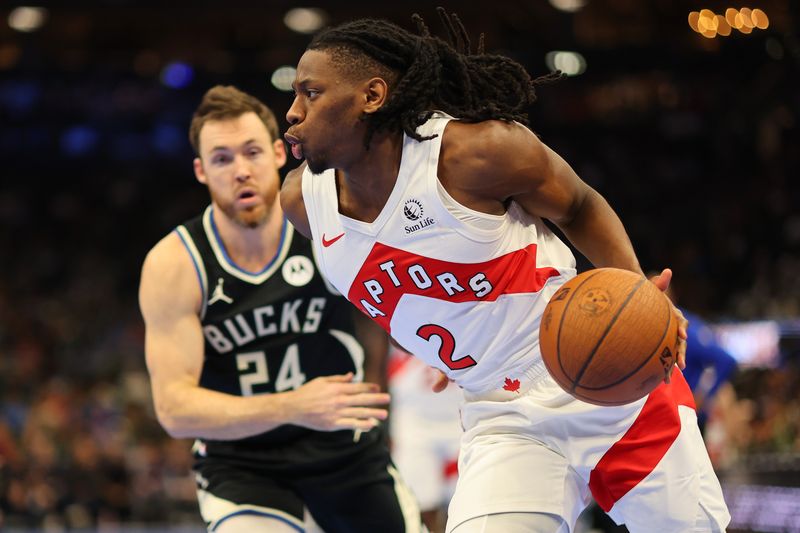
(608, 336)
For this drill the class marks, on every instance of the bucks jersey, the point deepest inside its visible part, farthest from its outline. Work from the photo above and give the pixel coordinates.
(269, 331)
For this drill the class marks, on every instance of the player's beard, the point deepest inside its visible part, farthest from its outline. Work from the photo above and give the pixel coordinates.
(316, 166)
(251, 218)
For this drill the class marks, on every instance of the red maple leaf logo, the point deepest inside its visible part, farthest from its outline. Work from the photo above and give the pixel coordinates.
(512, 385)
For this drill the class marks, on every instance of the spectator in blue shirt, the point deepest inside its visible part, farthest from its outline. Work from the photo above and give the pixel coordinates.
(704, 354)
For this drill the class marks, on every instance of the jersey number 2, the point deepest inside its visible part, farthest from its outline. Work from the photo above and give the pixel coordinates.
(447, 348)
(253, 371)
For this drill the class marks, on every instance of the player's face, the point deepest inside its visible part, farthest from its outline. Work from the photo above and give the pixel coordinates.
(325, 128)
(239, 163)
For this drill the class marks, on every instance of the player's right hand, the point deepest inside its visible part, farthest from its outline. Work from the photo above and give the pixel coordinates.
(332, 403)
(662, 281)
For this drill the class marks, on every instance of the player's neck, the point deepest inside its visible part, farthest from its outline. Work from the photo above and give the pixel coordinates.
(365, 186)
(251, 248)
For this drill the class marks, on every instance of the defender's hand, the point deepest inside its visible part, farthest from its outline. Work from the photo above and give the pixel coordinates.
(331, 403)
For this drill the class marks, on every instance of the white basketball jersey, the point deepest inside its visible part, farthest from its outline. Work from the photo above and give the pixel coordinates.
(462, 290)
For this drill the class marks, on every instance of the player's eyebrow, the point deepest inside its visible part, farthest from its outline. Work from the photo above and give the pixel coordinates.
(222, 147)
(301, 83)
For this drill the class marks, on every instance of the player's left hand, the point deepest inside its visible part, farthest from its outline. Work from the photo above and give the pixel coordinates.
(662, 282)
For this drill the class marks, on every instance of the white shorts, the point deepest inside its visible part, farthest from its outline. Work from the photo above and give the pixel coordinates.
(543, 451)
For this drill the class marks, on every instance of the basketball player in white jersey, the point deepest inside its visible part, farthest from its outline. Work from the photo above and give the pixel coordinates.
(252, 354)
(424, 194)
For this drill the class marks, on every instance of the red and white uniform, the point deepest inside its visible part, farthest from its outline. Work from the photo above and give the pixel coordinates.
(466, 300)
(465, 292)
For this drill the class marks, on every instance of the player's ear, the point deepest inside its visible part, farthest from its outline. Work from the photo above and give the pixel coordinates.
(199, 173)
(280, 153)
(376, 93)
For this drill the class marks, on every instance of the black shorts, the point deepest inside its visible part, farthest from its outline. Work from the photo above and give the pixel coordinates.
(356, 493)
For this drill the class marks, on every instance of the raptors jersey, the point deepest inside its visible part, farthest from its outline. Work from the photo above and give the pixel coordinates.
(462, 290)
(270, 331)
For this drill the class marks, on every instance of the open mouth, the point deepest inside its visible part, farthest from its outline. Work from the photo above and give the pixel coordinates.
(246, 194)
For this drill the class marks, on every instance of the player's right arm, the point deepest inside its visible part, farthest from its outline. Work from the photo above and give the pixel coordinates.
(170, 299)
(292, 200)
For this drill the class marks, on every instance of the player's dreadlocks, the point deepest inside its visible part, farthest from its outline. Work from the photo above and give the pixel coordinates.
(427, 73)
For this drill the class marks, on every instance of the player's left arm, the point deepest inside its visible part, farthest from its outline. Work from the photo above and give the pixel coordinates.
(501, 161)
(376, 348)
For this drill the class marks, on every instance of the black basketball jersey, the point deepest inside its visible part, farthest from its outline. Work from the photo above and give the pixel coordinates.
(271, 331)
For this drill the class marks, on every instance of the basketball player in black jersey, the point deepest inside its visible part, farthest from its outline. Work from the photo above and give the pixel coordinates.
(252, 354)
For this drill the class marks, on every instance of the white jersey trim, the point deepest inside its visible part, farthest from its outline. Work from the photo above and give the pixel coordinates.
(475, 219)
(199, 266)
(374, 227)
(230, 267)
(355, 350)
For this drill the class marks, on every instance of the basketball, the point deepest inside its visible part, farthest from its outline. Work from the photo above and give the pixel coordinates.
(608, 336)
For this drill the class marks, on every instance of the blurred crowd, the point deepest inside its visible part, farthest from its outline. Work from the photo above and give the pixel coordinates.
(80, 452)
(97, 168)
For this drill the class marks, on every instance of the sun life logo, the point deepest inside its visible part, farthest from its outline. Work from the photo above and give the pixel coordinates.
(413, 209)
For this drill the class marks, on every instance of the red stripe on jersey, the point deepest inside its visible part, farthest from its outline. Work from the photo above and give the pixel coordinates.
(638, 452)
(388, 273)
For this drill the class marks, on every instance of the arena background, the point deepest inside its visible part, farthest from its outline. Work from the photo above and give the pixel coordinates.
(691, 134)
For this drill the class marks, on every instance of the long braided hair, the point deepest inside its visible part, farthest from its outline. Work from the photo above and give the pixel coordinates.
(427, 73)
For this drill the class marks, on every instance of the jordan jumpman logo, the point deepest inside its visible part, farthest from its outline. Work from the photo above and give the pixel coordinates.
(219, 294)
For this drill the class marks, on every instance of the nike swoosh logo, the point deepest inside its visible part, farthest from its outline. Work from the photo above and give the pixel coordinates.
(326, 242)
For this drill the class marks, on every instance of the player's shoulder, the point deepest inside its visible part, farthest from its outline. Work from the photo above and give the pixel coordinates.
(487, 143)
(168, 255)
(481, 154)
(168, 273)
(486, 135)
